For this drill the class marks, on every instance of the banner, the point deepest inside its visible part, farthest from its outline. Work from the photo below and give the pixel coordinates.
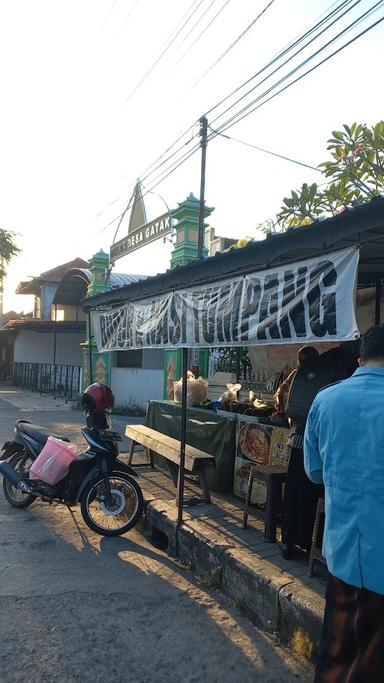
(303, 302)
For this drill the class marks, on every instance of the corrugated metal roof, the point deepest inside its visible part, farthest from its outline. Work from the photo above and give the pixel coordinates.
(114, 279)
(74, 284)
(362, 225)
(122, 279)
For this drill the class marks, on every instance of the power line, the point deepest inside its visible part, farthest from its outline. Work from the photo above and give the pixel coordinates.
(185, 14)
(123, 214)
(231, 46)
(160, 161)
(235, 119)
(296, 41)
(289, 59)
(169, 158)
(142, 175)
(202, 33)
(293, 71)
(110, 12)
(196, 24)
(267, 151)
(129, 14)
(182, 147)
(229, 123)
(108, 205)
(175, 164)
(178, 163)
(155, 63)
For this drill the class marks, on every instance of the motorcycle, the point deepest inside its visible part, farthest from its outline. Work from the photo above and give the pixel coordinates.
(110, 499)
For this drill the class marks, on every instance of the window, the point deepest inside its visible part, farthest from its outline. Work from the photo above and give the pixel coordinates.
(129, 359)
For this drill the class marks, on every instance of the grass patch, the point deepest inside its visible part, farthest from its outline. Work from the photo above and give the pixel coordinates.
(302, 645)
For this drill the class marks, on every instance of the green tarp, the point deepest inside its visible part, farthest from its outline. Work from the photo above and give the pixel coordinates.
(212, 433)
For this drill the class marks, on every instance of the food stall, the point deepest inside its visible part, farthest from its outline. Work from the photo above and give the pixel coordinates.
(292, 289)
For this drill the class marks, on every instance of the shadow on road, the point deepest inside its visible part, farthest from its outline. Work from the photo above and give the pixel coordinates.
(77, 607)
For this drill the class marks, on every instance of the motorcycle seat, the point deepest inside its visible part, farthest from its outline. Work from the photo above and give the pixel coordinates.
(40, 434)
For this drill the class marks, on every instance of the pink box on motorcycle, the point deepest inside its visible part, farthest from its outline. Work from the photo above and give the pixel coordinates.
(53, 463)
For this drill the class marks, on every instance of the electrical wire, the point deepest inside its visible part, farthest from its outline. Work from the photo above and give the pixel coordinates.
(293, 71)
(290, 46)
(169, 158)
(155, 165)
(201, 34)
(142, 175)
(164, 51)
(176, 165)
(346, 2)
(235, 119)
(185, 14)
(110, 12)
(123, 214)
(129, 14)
(267, 151)
(194, 26)
(190, 129)
(231, 46)
(289, 59)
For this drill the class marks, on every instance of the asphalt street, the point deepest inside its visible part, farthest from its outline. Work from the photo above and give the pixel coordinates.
(78, 607)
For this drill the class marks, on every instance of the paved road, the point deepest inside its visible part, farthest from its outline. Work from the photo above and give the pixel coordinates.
(76, 607)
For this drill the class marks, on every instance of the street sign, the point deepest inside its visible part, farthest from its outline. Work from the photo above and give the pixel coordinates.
(141, 236)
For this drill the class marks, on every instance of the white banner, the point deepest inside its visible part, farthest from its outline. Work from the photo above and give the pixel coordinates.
(303, 302)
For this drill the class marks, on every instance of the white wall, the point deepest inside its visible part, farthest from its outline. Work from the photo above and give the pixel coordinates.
(153, 359)
(135, 386)
(37, 347)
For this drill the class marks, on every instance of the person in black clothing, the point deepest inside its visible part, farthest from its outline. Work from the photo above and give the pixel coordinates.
(300, 494)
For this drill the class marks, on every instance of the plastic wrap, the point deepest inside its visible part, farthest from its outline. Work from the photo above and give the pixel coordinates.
(197, 390)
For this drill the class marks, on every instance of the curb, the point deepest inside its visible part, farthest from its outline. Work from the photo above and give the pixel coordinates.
(277, 601)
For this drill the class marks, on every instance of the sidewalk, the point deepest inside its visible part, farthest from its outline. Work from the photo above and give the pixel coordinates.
(277, 594)
(24, 399)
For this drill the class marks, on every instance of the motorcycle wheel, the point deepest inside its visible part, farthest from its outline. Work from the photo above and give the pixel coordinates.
(125, 510)
(20, 462)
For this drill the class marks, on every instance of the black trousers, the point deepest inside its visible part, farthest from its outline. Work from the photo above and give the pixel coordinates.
(352, 642)
(299, 503)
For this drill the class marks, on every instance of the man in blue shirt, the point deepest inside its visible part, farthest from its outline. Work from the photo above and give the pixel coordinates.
(344, 449)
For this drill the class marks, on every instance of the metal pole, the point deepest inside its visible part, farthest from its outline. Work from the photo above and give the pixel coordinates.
(377, 301)
(90, 349)
(54, 354)
(203, 134)
(182, 439)
(237, 369)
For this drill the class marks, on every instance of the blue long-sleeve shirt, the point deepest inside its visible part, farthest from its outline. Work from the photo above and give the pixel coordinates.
(344, 449)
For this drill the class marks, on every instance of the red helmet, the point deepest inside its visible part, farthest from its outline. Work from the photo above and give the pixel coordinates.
(98, 398)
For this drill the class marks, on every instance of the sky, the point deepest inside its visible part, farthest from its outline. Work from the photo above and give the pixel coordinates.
(94, 91)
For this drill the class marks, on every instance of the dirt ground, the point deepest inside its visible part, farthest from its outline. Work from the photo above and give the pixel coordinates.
(77, 607)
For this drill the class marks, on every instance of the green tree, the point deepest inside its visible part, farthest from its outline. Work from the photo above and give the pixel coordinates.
(355, 172)
(8, 249)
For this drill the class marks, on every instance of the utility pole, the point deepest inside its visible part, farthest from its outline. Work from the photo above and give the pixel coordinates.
(203, 134)
(1, 289)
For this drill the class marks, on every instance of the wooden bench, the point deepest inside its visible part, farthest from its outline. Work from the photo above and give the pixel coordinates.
(196, 461)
